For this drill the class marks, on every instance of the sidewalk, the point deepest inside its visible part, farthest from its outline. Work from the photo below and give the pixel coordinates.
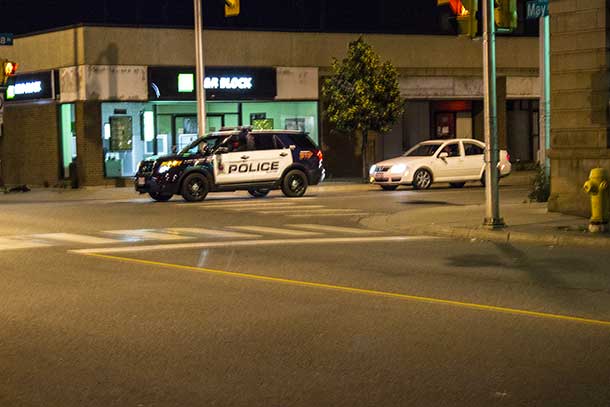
(526, 223)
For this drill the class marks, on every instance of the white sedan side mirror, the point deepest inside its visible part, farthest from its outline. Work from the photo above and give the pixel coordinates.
(443, 155)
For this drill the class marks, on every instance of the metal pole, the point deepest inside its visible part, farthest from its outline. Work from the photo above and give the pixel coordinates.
(200, 68)
(544, 131)
(492, 197)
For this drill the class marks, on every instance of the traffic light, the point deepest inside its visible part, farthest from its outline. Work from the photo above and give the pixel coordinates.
(464, 15)
(231, 8)
(467, 18)
(9, 68)
(506, 15)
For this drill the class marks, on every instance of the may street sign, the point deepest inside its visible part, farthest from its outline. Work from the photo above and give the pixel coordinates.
(6, 39)
(537, 9)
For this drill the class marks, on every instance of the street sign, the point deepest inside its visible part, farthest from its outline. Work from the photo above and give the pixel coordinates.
(537, 9)
(6, 39)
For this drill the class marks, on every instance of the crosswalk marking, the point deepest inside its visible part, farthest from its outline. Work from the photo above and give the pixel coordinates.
(286, 209)
(319, 211)
(259, 207)
(212, 232)
(74, 238)
(251, 203)
(275, 231)
(145, 234)
(243, 202)
(246, 232)
(16, 243)
(328, 228)
(326, 215)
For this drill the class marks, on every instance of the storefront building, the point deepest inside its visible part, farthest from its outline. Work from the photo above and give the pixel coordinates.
(167, 121)
(105, 98)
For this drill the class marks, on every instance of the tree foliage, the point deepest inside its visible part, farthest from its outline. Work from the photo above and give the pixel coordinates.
(362, 93)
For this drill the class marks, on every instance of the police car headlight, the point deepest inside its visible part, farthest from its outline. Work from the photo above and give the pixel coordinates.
(398, 169)
(167, 165)
(372, 170)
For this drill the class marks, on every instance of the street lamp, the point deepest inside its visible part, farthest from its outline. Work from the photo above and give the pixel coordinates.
(200, 67)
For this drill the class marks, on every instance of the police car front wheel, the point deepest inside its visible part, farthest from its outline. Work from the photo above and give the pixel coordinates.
(259, 192)
(195, 188)
(294, 184)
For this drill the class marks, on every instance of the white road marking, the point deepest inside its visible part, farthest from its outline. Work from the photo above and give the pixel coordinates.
(212, 232)
(74, 238)
(276, 231)
(283, 209)
(327, 228)
(319, 211)
(326, 215)
(145, 234)
(259, 206)
(247, 201)
(16, 244)
(274, 242)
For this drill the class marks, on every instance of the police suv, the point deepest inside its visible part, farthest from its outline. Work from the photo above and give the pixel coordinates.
(241, 159)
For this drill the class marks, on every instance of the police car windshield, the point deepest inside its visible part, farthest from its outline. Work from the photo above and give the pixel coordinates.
(423, 150)
(200, 145)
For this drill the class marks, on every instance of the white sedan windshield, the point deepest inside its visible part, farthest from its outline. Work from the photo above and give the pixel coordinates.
(423, 150)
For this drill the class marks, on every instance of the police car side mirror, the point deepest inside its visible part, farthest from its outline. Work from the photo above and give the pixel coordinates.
(292, 147)
(222, 150)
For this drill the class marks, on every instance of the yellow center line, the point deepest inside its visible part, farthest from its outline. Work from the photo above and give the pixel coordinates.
(415, 298)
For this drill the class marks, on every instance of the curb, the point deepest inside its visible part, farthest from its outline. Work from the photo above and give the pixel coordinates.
(504, 236)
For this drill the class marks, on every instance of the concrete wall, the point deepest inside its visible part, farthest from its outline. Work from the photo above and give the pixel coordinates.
(580, 88)
(413, 54)
(89, 148)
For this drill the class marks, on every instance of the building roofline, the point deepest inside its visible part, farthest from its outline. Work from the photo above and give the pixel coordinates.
(186, 27)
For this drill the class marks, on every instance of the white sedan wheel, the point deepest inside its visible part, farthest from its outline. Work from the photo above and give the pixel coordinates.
(422, 179)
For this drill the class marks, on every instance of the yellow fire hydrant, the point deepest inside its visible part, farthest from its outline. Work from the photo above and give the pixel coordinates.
(597, 187)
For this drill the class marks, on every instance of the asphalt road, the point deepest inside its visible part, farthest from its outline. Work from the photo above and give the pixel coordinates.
(277, 302)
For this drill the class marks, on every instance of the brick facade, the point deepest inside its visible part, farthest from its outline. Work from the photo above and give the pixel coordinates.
(580, 90)
(29, 146)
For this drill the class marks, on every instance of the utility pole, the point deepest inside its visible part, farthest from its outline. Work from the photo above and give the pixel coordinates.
(544, 131)
(492, 154)
(200, 71)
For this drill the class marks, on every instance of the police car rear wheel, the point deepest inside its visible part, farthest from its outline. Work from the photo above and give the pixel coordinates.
(159, 197)
(195, 188)
(294, 184)
(259, 192)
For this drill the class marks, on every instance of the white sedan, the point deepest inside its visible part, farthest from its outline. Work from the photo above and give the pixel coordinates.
(454, 161)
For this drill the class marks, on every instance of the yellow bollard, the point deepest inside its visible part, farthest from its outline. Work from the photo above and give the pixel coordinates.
(597, 187)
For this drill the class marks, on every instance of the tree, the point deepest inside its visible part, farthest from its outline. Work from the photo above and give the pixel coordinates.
(362, 95)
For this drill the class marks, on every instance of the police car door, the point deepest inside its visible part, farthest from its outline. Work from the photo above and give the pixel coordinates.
(269, 157)
(232, 166)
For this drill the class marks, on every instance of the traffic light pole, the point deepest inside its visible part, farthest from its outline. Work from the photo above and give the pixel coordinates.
(200, 71)
(492, 153)
(545, 95)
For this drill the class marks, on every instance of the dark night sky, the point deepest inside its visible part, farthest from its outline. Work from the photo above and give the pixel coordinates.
(391, 16)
